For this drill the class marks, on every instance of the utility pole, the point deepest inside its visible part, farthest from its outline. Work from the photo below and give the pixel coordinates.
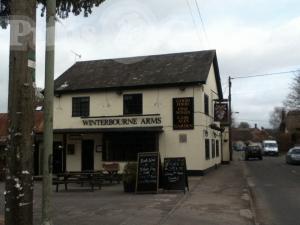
(19, 169)
(48, 116)
(230, 118)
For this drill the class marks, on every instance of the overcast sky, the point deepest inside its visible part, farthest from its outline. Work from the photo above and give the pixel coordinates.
(251, 37)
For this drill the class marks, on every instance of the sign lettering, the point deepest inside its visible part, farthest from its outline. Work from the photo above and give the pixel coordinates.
(183, 113)
(122, 121)
(148, 172)
(175, 174)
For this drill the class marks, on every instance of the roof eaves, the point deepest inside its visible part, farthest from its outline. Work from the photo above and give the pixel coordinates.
(218, 77)
(148, 86)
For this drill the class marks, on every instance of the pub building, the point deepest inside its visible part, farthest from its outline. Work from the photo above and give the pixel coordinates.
(110, 110)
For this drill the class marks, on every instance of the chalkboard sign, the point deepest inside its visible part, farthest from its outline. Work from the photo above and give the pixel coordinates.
(148, 172)
(183, 113)
(174, 174)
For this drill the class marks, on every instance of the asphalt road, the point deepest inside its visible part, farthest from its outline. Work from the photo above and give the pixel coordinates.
(275, 187)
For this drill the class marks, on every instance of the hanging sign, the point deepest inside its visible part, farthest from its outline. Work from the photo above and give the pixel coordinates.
(221, 112)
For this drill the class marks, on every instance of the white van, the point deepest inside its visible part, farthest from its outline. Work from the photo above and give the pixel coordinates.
(270, 147)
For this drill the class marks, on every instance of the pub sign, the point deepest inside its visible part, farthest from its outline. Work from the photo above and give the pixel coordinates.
(221, 112)
(183, 113)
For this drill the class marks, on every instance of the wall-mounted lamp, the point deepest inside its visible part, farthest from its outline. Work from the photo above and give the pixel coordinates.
(119, 92)
(215, 134)
(182, 88)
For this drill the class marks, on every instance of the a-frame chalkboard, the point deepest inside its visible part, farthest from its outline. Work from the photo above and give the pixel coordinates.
(147, 172)
(175, 174)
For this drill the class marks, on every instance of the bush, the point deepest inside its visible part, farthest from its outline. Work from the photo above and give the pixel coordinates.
(129, 176)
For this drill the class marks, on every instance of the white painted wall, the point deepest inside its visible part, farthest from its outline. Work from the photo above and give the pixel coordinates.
(226, 153)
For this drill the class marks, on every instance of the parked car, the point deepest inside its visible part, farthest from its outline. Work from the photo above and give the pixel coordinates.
(293, 156)
(238, 147)
(253, 152)
(270, 147)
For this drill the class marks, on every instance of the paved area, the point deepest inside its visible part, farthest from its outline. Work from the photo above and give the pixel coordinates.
(275, 186)
(219, 198)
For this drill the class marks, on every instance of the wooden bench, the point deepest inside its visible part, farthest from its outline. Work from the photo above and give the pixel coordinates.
(111, 172)
(94, 178)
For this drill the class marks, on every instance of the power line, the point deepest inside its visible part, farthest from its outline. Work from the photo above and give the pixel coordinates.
(256, 90)
(202, 22)
(251, 120)
(194, 21)
(266, 74)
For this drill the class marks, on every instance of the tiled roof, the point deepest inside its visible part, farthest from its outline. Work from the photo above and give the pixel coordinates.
(149, 71)
(250, 134)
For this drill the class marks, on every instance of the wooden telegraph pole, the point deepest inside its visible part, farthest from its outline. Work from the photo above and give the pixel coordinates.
(230, 118)
(19, 177)
(48, 128)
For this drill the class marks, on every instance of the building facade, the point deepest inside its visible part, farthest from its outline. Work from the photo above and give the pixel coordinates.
(109, 110)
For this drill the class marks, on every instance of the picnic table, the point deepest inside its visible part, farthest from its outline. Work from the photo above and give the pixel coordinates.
(92, 178)
(110, 172)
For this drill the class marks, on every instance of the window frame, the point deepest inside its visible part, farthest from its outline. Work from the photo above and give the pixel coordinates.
(207, 149)
(217, 148)
(82, 112)
(125, 147)
(133, 106)
(213, 148)
(206, 104)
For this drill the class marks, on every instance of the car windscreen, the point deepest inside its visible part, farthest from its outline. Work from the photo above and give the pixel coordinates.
(270, 145)
(253, 148)
(296, 151)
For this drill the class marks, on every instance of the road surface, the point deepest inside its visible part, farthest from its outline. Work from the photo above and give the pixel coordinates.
(276, 190)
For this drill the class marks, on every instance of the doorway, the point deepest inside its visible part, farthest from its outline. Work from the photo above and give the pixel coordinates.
(36, 159)
(87, 155)
(57, 157)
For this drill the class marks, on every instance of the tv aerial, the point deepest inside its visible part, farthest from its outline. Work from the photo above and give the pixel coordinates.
(76, 56)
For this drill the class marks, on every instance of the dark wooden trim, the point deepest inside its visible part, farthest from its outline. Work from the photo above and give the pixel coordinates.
(105, 130)
(129, 115)
(218, 77)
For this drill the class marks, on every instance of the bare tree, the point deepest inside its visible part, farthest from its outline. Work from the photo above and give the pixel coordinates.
(277, 117)
(244, 125)
(292, 101)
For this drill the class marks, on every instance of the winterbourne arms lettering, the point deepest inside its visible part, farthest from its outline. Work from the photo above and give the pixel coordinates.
(132, 121)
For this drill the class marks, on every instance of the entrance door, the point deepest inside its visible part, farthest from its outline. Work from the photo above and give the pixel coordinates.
(57, 157)
(87, 155)
(36, 159)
